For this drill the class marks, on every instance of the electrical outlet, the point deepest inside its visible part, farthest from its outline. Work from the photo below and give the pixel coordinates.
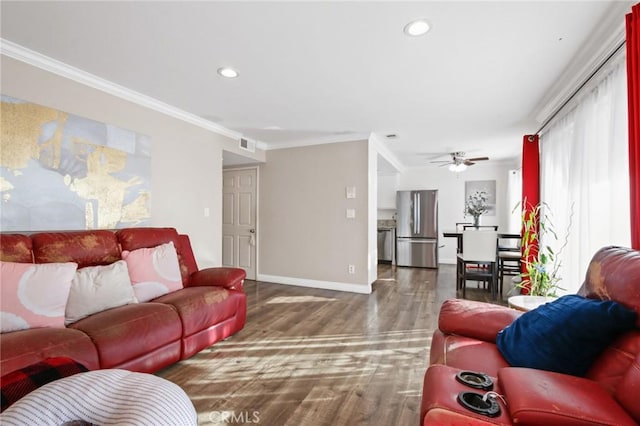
(352, 269)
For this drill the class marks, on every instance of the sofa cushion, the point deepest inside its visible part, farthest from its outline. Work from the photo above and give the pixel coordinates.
(565, 335)
(19, 383)
(86, 248)
(127, 332)
(153, 271)
(546, 398)
(19, 349)
(15, 248)
(613, 275)
(97, 288)
(34, 295)
(201, 307)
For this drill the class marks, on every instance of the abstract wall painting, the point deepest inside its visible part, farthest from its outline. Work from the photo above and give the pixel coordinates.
(59, 171)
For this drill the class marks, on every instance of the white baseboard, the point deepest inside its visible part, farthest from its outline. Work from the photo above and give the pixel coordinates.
(449, 261)
(326, 285)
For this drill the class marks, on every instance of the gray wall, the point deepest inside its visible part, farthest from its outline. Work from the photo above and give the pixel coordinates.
(304, 235)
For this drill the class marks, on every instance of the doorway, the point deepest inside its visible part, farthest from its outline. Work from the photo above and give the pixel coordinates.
(239, 195)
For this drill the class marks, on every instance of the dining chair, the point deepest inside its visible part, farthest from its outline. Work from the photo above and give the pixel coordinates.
(478, 261)
(509, 259)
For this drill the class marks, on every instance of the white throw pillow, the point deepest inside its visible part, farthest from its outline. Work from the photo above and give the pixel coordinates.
(98, 288)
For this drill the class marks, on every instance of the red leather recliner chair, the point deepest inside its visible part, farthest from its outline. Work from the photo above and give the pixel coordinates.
(465, 341)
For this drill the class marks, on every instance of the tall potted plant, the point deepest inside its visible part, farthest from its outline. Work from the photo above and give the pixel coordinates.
(476, 206)
(541, 262)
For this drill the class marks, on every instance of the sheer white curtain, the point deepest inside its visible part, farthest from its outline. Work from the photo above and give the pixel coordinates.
(514, 197)
(584, 168)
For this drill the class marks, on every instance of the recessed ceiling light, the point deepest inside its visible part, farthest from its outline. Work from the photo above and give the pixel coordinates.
(227, 72)
(417, 28)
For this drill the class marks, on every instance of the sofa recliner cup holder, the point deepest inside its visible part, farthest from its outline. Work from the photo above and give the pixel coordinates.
(475, 380)
(475, 402)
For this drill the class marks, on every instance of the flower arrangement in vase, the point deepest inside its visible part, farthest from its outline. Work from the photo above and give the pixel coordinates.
(476, 206)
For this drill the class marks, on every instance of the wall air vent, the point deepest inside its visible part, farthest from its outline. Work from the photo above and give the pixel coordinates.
(247, 145)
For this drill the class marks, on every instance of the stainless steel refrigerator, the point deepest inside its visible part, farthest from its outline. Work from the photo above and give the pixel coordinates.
(417, 228)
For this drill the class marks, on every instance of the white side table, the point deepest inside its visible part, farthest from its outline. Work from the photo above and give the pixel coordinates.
(526, 303)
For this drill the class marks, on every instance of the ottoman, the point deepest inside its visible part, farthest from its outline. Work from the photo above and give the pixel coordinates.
(104, 397)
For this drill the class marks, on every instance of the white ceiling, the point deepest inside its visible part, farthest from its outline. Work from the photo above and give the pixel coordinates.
(328, 71)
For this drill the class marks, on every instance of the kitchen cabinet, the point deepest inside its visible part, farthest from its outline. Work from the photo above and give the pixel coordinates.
(387, 186)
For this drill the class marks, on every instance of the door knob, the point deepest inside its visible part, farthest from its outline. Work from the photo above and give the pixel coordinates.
(253, 231)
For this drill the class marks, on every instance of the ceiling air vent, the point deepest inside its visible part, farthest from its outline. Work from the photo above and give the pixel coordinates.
(248, 145)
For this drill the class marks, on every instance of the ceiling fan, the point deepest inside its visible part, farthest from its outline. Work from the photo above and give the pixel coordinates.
(459, 162)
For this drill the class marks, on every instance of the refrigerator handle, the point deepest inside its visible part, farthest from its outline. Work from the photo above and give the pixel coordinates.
(419, 213)
(415, 213)
(434, 216)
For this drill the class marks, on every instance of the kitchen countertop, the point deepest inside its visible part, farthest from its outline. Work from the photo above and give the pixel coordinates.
(386, 224)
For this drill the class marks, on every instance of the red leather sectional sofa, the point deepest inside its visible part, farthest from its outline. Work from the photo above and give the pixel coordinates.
(465, 340)
(143, 337)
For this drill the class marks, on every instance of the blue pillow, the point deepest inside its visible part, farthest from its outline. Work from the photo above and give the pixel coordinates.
(566, 335)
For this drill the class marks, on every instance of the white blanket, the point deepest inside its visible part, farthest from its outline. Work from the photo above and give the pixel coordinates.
(104, 397)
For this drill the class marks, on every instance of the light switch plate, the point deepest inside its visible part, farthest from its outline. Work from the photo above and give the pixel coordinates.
(351, 192)
(351, 213)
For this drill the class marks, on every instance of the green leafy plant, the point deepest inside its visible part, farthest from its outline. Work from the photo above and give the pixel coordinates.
(541, 262)
(476, 205)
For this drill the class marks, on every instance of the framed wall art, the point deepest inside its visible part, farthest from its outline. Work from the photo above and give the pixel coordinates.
(59, 171)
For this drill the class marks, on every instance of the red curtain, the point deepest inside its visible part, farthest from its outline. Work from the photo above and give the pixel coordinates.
(530, 184)
(633, 85)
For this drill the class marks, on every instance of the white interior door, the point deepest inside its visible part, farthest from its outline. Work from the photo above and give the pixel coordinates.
(239, 189)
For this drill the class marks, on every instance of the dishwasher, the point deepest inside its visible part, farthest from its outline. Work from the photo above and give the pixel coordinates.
(386, 245)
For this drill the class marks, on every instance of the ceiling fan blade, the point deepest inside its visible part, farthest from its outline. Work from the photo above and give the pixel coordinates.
(478, 159)
(468, 163)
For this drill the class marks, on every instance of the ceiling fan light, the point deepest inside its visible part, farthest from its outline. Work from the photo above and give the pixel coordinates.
(458, 167)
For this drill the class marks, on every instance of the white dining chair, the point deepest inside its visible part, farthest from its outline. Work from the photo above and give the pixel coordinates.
(478, 261)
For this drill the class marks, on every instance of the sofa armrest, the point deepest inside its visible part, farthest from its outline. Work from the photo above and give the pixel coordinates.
(231, 278)
(474, 319)
(538, 397)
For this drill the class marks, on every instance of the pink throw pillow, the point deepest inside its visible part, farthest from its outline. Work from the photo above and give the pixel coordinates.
(153, 271)
(34, 295)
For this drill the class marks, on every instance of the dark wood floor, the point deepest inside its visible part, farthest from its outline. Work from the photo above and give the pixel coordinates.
(318, 357)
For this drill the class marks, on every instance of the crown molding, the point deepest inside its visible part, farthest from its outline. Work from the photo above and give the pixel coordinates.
(36, 59)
